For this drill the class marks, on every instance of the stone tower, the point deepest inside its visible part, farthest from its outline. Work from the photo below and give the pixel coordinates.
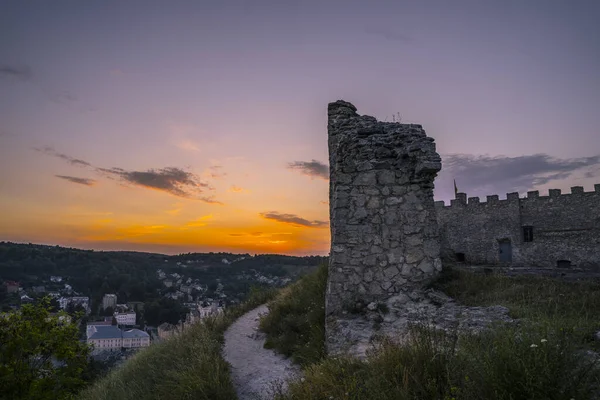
(384, 234)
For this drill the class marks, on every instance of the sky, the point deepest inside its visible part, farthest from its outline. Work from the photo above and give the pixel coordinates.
(196, 126)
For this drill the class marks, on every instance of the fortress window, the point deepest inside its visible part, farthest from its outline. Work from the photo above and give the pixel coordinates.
(460, 257)
(528, 233)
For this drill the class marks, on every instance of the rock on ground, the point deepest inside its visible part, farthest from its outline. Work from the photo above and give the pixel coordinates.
(255, 371)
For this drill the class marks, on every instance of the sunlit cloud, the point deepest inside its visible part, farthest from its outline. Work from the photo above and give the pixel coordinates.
(74, 179)
(237, 189)
(202, 221)
(313, 168)
(187, 144)
(293, 219)
(326, 203)
(174, 211)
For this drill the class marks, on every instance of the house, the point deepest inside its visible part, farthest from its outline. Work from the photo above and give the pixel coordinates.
(125, 318)
(168, 282)
(11, 286)
(56, 279)
(109, 300)
(167, 330)
(39, 289)
(213, 309)
(26, 299)
(83, 301)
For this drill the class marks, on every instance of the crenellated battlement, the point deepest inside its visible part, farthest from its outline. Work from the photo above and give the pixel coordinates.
(461, 199)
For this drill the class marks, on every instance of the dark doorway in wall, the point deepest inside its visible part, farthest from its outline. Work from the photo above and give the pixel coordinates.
(563, 264)
(528, 233)
(505, 250)
(460, 257)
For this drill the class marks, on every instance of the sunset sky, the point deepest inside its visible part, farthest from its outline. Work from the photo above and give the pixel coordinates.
(176, 126)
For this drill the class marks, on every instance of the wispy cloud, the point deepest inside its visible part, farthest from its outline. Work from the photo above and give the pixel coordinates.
(71, 160)
(21, 72)
(74, 179)
(293, 219)
(211, 200)
(484, 174)
(187, 144)
(237, 189)
(311, 168)
(202, 221)
(174, 211)
(216, 172)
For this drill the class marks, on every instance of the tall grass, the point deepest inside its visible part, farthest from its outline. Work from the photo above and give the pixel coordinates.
(545, 301)
(295, 323)
(188, 366)
(439, 366)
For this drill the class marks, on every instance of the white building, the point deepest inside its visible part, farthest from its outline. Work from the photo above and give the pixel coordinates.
(78, 300)
(109, 300)
(56, 279)
(213, 309)
(111, 338)
(125, 318)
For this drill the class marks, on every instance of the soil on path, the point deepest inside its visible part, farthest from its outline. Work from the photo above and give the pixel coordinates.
(255, 371)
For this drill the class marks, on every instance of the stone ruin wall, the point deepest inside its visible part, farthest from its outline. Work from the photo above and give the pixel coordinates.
(384, 235)
(565, 227)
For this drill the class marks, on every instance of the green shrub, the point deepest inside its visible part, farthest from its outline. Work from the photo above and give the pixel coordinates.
(188, 366)
(295, 325)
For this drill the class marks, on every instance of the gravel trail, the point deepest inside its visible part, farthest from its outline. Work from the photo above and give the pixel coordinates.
(254, 369)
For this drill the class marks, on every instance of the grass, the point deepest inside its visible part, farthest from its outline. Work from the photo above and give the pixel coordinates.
(294, 325)
(542, 357)
(188, 366)
(544, 301)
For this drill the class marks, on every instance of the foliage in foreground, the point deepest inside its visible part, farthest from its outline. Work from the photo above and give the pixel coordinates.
(41, 356)
(542, 357)
(188, 366)
(295, 323)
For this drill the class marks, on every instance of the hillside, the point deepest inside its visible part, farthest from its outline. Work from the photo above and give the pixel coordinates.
(161, 284)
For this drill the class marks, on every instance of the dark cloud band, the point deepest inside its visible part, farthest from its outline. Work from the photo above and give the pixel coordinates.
(74, 179)
(312, 168)
(293, 219)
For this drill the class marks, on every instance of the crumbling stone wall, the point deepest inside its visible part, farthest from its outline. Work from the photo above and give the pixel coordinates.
(384, 233)
(564, 227)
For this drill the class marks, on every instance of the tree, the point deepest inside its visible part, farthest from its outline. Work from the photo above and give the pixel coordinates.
(41, 356)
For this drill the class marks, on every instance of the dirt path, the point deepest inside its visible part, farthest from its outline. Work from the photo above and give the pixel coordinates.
(254, 369)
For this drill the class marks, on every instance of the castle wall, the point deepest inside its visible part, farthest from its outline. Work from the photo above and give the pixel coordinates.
(564, 227)
(475, 229)
(384, 236)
